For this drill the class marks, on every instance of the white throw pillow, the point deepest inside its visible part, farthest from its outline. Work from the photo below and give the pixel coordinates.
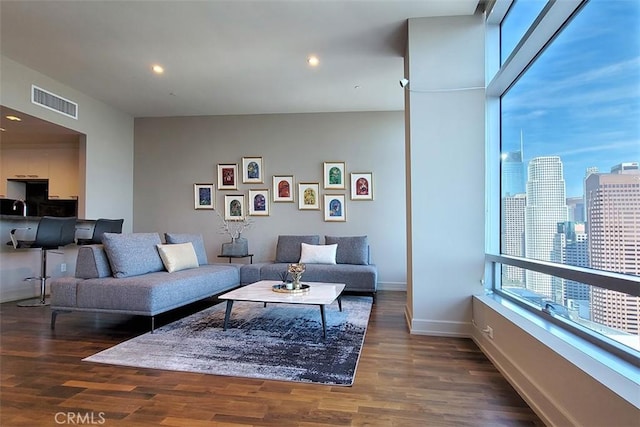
(318, 254)
(178, 256)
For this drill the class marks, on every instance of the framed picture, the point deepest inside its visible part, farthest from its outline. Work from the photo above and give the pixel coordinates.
(259, 202)
(334, 175)
(361, 186)
(335, 208)
(228, 176)
(252, 170)
(234, 207)
(283, 188)
(308, 195)
(203, 196)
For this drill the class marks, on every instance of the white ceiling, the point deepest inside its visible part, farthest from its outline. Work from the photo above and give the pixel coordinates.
(221, 57)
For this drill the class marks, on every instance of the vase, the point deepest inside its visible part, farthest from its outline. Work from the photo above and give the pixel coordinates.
(296, 270)
(296, 281)
(238, 246)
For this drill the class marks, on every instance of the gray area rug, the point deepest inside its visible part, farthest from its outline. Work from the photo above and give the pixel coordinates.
(277, 342)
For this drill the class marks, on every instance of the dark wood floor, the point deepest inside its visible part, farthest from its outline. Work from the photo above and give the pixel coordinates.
(402, 380)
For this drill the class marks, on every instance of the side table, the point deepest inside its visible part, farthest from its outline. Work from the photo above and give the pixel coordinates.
(237, 256)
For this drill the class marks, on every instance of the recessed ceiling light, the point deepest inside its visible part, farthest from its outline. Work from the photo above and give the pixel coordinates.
(313, 61)
(157, 69)
(14, 118)
(3, 130)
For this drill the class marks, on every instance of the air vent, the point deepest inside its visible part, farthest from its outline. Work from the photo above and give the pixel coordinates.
(54, 102)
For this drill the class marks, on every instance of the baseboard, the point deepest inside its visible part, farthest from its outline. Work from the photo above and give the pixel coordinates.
(392, 286)
(440, 328)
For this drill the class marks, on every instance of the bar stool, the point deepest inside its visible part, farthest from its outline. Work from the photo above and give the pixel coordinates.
(52, 233)
(102, 226)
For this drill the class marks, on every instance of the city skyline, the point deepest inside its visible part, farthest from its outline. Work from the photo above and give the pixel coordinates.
(538, 222)
(594, 67)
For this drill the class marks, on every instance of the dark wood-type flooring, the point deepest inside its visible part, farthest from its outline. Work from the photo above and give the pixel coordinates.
(402, 380)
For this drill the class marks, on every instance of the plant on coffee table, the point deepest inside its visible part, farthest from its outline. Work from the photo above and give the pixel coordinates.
(283, 276)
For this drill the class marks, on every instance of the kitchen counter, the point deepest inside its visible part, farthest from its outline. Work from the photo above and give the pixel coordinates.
(17, 264)
(28, 226)
(36, 218)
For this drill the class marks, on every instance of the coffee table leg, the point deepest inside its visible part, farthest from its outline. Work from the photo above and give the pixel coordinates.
(227, 314)
(340, 302)
(324, 321)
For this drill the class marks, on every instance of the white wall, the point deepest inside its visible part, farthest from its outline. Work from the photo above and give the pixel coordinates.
(109, 139)
(106, 178)
(171, 154)
(445, 165)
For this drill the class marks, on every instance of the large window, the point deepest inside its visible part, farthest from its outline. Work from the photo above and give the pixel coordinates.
(569, 170)
(520, 17)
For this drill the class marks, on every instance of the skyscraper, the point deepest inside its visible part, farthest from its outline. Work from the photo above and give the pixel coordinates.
(587, 172)
(613, 225)
(546, 207)
(512, 174)
(576, 208)
(512, 233)
(626, 167)
(571, 248)
(512, 217)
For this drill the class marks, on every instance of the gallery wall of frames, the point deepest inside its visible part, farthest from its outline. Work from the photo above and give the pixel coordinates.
(249, 190)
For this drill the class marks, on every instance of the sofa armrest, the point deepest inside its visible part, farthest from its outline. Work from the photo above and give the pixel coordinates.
(92, 262)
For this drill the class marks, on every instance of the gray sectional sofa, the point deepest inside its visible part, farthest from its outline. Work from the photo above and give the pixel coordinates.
(137, 274)
(352, 263)
(131, 274)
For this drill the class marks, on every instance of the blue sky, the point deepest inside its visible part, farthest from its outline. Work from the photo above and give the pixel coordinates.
(581, 99)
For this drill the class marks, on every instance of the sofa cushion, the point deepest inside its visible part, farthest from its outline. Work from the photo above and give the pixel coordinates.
(132, 254)
(178, 256)
(351, 249)
(358, 278)
(318, 254)
(157, 292)
(195, 239)
(289, 247)
(92, 262)
(250, 273)
(64, 291)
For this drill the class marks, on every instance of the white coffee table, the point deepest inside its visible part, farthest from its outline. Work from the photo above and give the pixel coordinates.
(319, 294)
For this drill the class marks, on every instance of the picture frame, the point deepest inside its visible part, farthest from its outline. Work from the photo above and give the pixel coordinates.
(283, 188)
(252, 170)
(259, 202)
(203, 196)
(335, 208)
(308, 196)
(227, 176)
(234, 207)
(361, 184)
(334, 175)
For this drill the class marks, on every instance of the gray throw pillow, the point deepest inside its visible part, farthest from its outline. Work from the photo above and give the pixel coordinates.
(351, 250)
(132, 254)
(197, 241)
(289, 247)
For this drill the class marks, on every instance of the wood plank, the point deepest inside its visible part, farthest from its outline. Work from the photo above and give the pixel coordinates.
(402, 380)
